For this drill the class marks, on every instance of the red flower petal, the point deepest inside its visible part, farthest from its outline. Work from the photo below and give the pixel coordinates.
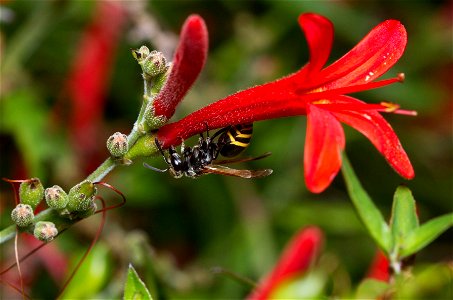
(323, 145)
(255, 104)
(369, 59)
(379, 132)
(319, 34)
(188, 61)
(297, 257)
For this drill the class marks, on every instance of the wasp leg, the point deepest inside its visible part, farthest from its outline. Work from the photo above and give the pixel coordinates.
(156, 141)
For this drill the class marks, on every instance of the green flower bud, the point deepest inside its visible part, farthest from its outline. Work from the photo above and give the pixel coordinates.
(81, 196)
(22, 215)
(45, 231)
(117, 144)
(56, 197)
(89, 212)
(31, 192)
(153, 121)
(153, 63)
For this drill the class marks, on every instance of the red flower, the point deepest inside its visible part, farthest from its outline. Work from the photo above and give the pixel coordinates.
(297, 257)
(189, 59)
(379, 268)
(321, 95)
(88, 79)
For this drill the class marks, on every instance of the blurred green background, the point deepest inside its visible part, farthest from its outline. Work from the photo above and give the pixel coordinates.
(190, 226)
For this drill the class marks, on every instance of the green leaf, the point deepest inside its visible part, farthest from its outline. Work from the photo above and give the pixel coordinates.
(371, 289)
(309, 286)
(25, 118)
(404, 216)
(368, 212)
(92, 275)
(425, 234)
(432, 281)
(134, 288)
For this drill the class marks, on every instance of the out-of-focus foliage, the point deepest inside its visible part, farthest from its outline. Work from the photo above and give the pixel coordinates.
(175, 231)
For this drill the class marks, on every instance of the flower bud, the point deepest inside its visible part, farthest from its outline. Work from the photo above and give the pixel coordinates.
(153, 63)
(151, 119)
(22, 215)
(117, 144)
(88, 212)
(45, 231)
(81, 196)
(56, 197)
(31, 192)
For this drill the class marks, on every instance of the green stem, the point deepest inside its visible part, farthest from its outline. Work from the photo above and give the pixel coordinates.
(108, 165)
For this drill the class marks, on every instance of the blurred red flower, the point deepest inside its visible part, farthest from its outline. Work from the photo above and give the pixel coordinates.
(321, 95)
(298, 255)
(379, 268)
(89, 77)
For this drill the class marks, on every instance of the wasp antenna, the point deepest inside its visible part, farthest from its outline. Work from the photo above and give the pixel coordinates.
(155, 169)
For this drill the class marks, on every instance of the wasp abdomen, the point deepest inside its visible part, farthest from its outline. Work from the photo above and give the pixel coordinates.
(235, 139)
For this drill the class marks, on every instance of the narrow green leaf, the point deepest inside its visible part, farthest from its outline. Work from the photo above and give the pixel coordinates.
(425, 234)
(134, 288)
(404, 216)
(368, 212)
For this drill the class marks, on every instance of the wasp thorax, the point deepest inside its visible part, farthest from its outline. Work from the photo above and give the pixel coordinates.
(22, 215)
(31, 192)
(81, 196)
(56, 197)
(117, 144)
(45, 231)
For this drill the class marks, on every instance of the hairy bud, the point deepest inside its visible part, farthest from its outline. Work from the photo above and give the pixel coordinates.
(56, 197)
(153, 63)
(117, 144)
(45, 231)
(31, 192)
(81, 196)
(22, 215)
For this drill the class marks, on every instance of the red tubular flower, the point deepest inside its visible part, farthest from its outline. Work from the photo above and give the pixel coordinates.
(321, 95)
(379, 269)
(90, 74)
(297, 257)
(189, 59)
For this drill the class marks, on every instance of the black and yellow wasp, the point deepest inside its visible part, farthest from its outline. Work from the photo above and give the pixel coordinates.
(200, 159)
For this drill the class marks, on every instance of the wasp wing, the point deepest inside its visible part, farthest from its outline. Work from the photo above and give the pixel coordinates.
(241, 159)
(222, 170)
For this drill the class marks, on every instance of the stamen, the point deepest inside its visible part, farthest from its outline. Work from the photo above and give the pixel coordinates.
(359, 87)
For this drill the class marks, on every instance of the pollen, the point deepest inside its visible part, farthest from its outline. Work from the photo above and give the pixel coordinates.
(323, 101)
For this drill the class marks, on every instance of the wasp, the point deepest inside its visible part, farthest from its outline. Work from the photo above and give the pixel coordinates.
(201, 159)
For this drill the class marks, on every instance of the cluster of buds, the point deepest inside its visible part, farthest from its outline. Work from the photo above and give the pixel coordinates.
(79, 203)
(31, 193)
(153, 63)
